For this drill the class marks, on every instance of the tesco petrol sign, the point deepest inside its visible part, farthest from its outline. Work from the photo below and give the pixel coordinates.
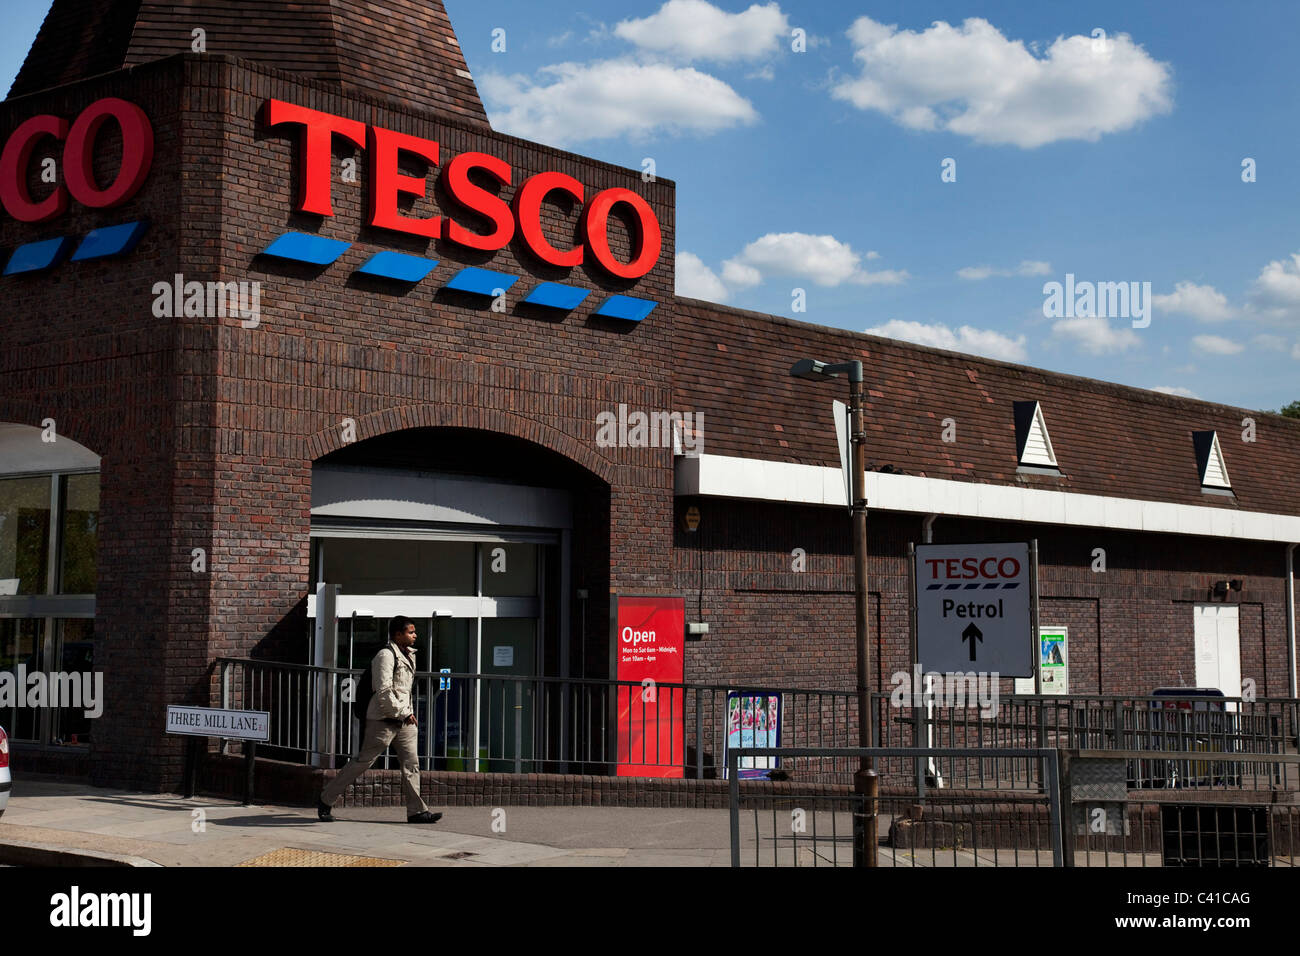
(975, 608)
(522, 217)
(78, 137)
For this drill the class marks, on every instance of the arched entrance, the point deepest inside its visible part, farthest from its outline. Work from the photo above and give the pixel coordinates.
(486, 541)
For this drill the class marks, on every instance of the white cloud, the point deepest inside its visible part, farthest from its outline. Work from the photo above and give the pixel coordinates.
(1295, 351)
(697, 30)
(739, 274)
(1216, 345)
(1274, 343)
(822, 259)
(1174, 390)
(1095, 336)
(973, 81)
(965, 339)
(1275, 293)
(1027, 267)
(695, 280)
(607, 99)
(1202, 302)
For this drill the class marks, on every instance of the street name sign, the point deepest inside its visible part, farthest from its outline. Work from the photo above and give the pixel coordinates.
(974, 608)
(210, 722)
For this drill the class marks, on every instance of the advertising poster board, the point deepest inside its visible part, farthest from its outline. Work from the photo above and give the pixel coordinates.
(649, 642)
(753, 720)
(1053, 662)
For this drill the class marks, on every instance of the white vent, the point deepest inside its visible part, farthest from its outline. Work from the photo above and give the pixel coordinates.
(1035, 444)
(1214, 473)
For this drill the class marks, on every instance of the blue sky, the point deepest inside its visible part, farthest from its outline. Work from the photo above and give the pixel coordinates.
(1115, 158)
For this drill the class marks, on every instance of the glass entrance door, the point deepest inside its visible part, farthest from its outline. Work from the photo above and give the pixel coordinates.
(454, 650)
(477, 608)
(509, 699)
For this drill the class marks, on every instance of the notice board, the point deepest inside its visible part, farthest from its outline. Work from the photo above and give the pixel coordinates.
(649, 642)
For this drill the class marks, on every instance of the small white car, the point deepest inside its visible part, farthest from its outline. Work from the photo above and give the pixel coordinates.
(4, 771)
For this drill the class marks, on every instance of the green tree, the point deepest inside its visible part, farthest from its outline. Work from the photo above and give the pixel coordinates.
(1291, 411)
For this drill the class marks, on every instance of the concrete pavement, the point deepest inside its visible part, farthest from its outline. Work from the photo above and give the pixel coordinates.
(77, 820)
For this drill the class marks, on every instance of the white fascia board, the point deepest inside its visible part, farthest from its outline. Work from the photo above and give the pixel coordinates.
(721, 476)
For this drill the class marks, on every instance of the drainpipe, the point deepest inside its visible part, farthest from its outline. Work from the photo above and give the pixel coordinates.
(1290, 617)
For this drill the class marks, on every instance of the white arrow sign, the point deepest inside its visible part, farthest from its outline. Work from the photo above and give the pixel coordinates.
(846, 452)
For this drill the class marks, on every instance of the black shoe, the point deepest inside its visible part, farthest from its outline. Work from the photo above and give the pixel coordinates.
(426, 816)
(323, 812)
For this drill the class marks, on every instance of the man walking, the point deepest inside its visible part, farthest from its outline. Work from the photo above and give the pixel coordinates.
(389, 719)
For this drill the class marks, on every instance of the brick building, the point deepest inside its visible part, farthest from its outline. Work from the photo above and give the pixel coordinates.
(393, 409)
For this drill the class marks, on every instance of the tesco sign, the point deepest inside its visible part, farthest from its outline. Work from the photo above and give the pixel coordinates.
(522, 217)
(78, 137)
(965, 569)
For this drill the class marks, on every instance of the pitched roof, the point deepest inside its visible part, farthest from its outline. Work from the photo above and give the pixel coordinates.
(403, 50)
(1109, 439)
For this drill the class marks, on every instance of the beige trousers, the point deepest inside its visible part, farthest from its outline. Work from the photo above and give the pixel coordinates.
(379, 734)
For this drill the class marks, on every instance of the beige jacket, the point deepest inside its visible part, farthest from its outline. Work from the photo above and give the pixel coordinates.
(392, 676)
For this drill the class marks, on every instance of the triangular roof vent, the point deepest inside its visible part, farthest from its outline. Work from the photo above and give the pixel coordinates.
(1033, 446)
(1209, 461)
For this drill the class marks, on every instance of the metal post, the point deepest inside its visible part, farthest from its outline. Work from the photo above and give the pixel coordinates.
(325, 656)
(1056, 819)
(733, 802)
(191, 765)
(920, 727)
(250, 762)
(1066, 803)
(866, 783)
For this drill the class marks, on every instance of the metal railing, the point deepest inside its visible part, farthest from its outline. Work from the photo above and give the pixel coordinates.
(1086, 813)
(1094, 722)
(811, 826)
(528, 724)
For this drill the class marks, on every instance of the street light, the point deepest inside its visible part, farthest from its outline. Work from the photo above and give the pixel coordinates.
(865, 782)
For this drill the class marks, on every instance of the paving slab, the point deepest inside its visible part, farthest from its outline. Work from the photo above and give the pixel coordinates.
(164, 829)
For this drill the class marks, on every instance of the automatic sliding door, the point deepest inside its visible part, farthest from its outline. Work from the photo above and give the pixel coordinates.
(506, 716)
(454, 650)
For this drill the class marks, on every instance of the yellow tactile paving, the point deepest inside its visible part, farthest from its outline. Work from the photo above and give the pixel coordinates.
(290, 856)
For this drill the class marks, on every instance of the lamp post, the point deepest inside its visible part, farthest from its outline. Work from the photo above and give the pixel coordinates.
(866, 784)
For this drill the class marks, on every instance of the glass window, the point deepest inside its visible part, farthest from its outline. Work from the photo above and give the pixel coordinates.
(509, 570)
(399, 566)
(24, 535)
(21, 647)
(80, 505)
(76, 655)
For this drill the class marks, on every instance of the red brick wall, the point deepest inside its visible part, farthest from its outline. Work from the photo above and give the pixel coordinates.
(208, 430)
(771, 625)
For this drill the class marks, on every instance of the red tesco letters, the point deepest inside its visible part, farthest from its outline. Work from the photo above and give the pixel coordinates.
(78, 180)
(967, 568)
(523, 216)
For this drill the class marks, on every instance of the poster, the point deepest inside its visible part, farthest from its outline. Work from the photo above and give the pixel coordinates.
(649, 645)
(1053, 662)
(753, 720)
